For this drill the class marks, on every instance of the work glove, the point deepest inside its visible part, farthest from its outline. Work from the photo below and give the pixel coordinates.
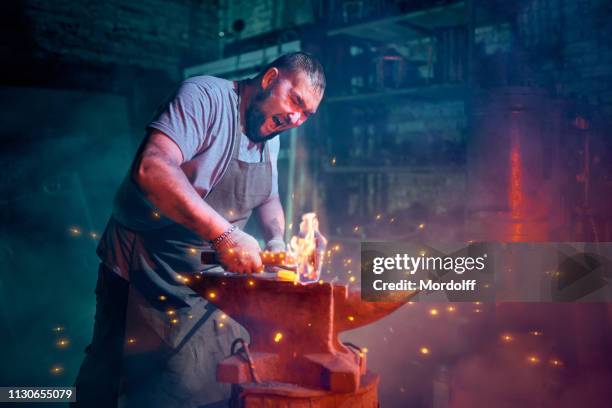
(239, 252)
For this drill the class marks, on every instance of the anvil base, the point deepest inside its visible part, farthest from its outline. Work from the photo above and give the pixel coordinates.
(280, 395)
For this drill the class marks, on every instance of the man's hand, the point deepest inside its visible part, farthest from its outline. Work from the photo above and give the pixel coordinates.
(276, 245)
(239, 252)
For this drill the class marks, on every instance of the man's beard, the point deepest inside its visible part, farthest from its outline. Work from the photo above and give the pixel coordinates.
(254, 117)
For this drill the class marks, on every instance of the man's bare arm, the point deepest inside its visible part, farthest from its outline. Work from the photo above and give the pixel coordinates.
(272, 219)
(158, 173)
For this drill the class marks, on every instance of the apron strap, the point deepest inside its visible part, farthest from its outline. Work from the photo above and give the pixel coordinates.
(237, 132)
(236, 141)
(266, 152)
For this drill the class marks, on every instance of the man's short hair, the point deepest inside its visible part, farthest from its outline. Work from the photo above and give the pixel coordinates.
(300, 61)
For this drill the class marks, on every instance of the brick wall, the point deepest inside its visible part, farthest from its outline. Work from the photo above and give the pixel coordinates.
(569, 42)
(152, 34)
(261, 16)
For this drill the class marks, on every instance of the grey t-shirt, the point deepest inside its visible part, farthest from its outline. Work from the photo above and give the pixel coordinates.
(201, 118)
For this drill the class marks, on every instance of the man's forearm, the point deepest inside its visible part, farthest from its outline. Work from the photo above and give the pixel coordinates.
(272, 219)
(165, 185)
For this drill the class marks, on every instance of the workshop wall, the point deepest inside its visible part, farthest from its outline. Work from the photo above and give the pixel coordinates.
(261, 16)
(562, 47)
(81, 80)
(151, 34)
(569, 47)
(58, 175)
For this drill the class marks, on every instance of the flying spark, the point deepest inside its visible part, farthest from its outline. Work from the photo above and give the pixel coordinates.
(62, 343)
(533, 360)
(57, 369)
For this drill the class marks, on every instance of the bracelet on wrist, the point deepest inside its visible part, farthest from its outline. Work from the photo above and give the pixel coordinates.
(221, 238)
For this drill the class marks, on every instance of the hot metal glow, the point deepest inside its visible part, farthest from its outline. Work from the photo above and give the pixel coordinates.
(308, 249)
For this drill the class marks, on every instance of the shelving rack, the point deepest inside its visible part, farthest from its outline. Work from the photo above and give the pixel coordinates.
(362, 190)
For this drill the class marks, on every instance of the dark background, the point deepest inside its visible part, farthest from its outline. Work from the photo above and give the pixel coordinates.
(443, 120)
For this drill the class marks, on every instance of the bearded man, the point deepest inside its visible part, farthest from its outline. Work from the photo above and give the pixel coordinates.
(207, 162)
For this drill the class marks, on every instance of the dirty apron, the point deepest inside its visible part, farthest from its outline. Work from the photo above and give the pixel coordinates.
(175, 338)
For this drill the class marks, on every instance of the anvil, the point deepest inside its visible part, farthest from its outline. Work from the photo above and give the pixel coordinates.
(293, 330)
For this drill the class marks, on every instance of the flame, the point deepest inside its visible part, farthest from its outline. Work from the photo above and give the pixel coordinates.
(308, 249)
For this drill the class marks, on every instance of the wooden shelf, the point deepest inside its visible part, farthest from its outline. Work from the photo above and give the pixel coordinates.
(416, 24)
(422, 92)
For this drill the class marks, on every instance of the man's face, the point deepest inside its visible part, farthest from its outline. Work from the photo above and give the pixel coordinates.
(282, 101)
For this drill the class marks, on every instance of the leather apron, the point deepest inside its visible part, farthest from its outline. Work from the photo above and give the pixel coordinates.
(175, 338)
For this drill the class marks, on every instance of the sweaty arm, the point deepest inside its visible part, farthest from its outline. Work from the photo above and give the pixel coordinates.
(158, 173)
